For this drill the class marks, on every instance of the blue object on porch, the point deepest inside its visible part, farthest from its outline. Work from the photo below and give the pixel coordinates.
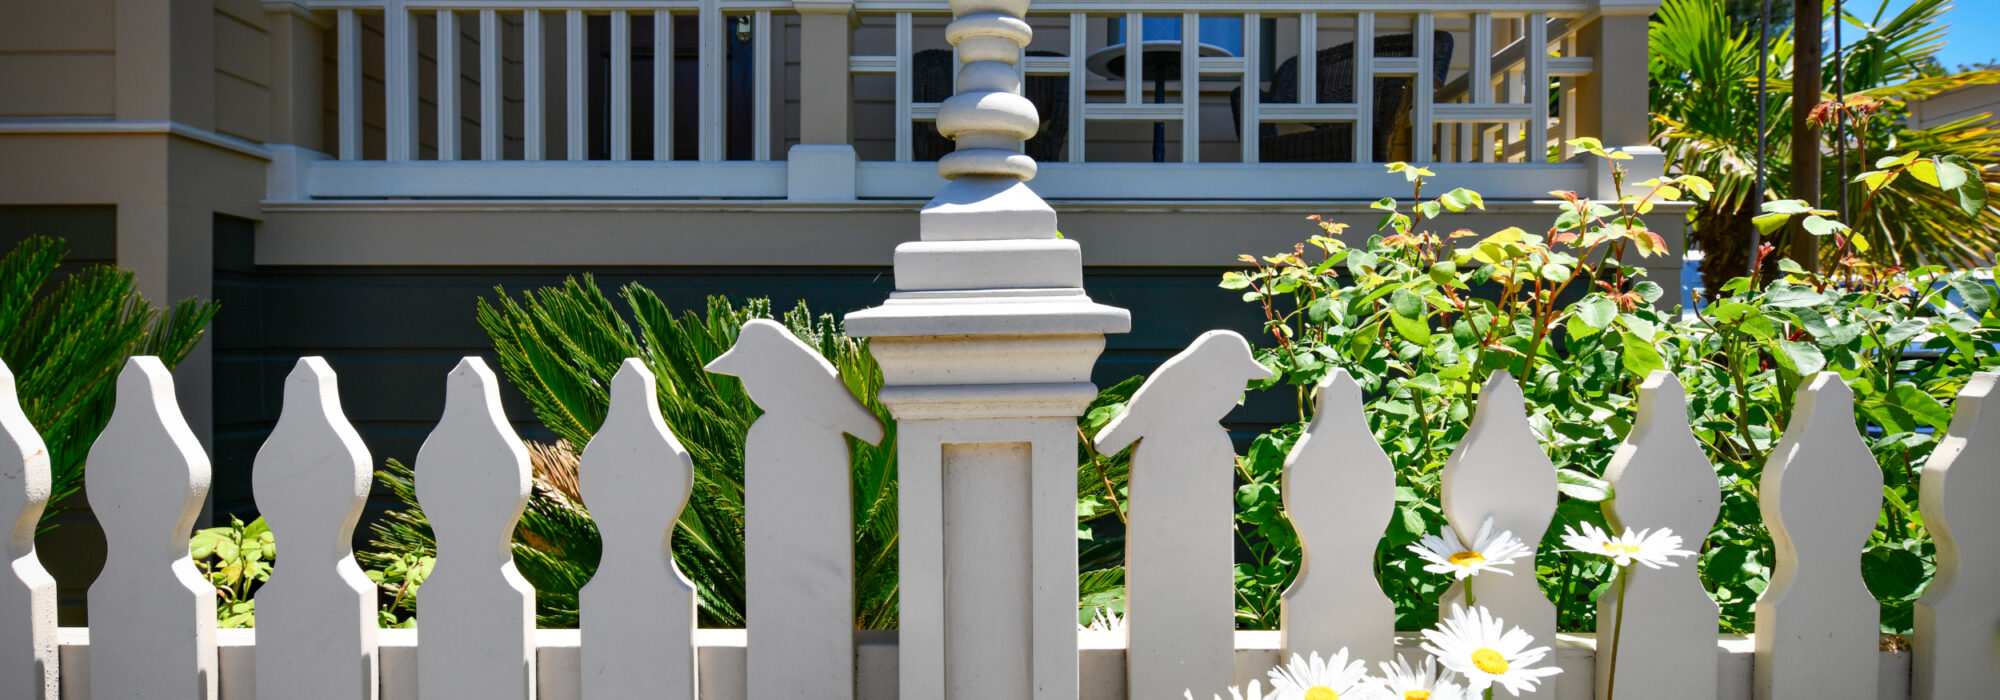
(1225, 32)
(1160, 48)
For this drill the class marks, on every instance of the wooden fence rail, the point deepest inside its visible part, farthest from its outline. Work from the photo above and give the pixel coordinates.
(154, 633)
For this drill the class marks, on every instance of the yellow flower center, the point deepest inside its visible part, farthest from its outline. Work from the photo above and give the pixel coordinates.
(1620, 548)
(1320, 692)
(1417, 695)
(1467, 558)
(1489, 661)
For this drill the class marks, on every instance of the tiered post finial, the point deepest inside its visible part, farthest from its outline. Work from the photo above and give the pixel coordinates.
(986, 349)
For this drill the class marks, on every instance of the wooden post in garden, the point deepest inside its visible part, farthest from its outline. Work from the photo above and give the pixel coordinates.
(986, 349)
(1806, 18)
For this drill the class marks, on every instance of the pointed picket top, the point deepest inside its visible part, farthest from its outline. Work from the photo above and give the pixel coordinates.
(152, 617)
(1817, 624)
(784, 374)
(1660, 479)
(1956, 652)
(1499, 471)
(638, 611)
(1340, 491)
(798, 514)
(316, 615)
(1179, 545)
(476, 612)
(28, 664)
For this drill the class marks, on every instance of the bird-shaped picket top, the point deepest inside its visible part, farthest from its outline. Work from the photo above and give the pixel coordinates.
(798, 542)
(1180, 592)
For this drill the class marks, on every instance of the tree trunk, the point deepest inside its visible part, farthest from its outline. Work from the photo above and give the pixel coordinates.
(1804, 247)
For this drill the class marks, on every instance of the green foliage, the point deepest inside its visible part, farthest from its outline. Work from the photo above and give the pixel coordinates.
(66, 346)
(235, 558)
(1421, 322)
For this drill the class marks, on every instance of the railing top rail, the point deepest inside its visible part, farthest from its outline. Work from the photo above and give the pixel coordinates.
(550, 5)
(1274, 6)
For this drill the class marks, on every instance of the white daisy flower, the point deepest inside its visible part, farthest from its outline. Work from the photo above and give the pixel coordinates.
(1105, 621)
(1473, 643)
(1401, 681)
(1255, 692)
(1448, 554)
(1330, 678)
(1654, 548)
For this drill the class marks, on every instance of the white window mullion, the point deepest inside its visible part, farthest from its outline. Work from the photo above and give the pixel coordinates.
(1538, 88)
(1422, 86)
(905, 83)
(349, 79)
(713, 76)
(1309, 58)
(621, 85)
(1079, 44)
(1364, 87)
(400, 75)
(1190, 87)
(573, 66)
(1135, 63)
(760, 118)
(532, 93)
(447, 85)
(1253, 49)
(491, 86)
(663, 85)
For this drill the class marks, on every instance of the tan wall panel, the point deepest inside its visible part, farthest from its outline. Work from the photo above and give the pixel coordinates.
(242, 50)
(29, 25)
(242, 109)
(250, 12)
(57, 85)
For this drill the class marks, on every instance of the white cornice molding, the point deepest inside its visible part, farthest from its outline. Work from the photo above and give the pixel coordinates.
(299, 9)
(114, 126)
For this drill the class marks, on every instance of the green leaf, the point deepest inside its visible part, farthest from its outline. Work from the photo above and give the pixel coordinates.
(1787, 206)
(1787, 295)
(1415, 330)
(1950, 176)
(1407, 304)
(1596, 311)
(1805, 358)
(1461, 199)
(1822, 226)
(1640, 357)
(1766, 223)
(1977, 297)
(1892, 573)
(1581, 486)
(1649, 291)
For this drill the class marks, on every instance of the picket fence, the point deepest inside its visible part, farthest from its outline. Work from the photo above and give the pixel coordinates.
(153, 616)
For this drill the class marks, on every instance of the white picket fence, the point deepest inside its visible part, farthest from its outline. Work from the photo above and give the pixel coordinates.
(153, 616)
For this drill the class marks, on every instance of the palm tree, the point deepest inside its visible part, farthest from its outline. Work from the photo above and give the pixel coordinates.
(1704, 75)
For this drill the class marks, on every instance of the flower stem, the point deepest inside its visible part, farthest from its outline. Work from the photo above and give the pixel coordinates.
(1617, 633)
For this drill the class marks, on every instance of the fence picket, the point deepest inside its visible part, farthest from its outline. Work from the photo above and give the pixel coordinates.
(476, 613)
(798, 514)
(1956, 653)
(1660, 478)
(638, 611)
(1340, 491)
(152, 616)
(1821, 493)
(1179, 545)
(28, 664)
(316, 616)
(1500, 471)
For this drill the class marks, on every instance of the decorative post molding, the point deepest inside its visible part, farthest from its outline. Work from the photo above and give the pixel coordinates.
(986, 349)
(821, 167)
(28, 663)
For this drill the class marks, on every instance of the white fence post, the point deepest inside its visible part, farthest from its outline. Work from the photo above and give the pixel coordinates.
(1957, 654)
(28, 664)
(1340, 491)
(1500, 471)
(1180, 545)
(638, 611)
(152, 616)
(798, 514)
(475, 614)
(316, 616)
(1817, 625)
(1660, 478)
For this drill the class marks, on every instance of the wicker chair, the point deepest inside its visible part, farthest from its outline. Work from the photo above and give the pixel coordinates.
(931, 73)
(1334, 142)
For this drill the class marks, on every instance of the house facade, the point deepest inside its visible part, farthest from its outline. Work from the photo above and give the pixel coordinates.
(348, 176)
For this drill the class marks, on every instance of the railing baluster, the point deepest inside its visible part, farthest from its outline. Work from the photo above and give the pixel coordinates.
(316, 616)
(1253, 92)
(1660, 478)
(29, 667)
(1308, 58)
(1079, 76)
(533, 97)
(1538, 88)
(760, 118)
(1364, 87)
(447, 85)
(399, 40)
(1821, 493)
(1422, 86)
(573, 65)
(1190, 87)
(348, 78)
(491, 86)
(1179, 548)
(621, 85)
(713, 115)
(905, 85)
(1479, 84)
(1499, 471)
(663, 85)
(1135, 60)
(798, 514)
(1957, 615)
(1335, 603)
(638, 611)
(152, 616)
(477, 613)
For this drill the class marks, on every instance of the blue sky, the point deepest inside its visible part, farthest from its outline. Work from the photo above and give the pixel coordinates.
(1974, 23)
